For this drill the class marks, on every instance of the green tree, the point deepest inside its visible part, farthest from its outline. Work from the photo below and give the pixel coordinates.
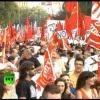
(35, 14)
(8, 12)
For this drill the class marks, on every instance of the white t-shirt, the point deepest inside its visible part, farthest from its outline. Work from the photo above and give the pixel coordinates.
(41, 59)
(89, 61)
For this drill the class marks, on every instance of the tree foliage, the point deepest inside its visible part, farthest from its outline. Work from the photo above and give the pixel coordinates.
(8, 12)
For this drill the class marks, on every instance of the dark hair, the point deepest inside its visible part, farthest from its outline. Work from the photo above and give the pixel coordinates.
(61, 80)
(64, 74)
(24, 67)
(79, 59)
(53, 89)
(97, 83)
(81, 81)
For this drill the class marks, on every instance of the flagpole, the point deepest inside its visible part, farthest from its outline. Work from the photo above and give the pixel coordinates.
(77, 18)
(50, 61)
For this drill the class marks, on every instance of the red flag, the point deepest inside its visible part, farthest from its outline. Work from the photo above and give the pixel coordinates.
(76, 22)
(12, 31)
(95, 17)
(72, 6)
(46, 76)
(87, 22)
(95, 14)
(94, 41)
(67, 27)
(59, 26)
(53, 41)
(28, 30)
(95, 26)
(42, 31)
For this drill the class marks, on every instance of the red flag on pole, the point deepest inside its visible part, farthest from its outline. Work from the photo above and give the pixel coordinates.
(28, 30)
(53, 41)
(42, 31)
(71, 6)
(67, 27)
(46, 76)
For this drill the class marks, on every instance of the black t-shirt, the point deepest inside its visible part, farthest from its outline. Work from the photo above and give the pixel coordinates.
(32, 59)
(26, 89)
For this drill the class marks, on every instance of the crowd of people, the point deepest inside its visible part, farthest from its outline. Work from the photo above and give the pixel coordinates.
(75, 72)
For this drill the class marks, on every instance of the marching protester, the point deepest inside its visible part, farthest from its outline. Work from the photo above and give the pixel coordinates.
(27, 56)
(26, 88)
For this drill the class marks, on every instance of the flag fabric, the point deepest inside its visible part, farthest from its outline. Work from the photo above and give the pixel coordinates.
(95, 26)
(28, 30)
(95, 17)
(95, 14)
(13, 32)
(53, 41)
(59, 26)
(46, 76)
(67, 27)
(87, 22)
(71, 6)
(42, 31)
(94, 41)
(76, 20)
